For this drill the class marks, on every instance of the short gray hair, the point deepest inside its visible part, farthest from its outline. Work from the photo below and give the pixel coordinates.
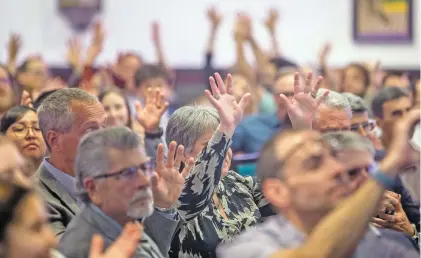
(347, 140)
(336, 100)
(188, 123)
(55, 112)
(357, 103)
(92, 154)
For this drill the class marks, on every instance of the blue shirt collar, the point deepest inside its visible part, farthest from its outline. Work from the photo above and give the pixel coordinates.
(67, 181)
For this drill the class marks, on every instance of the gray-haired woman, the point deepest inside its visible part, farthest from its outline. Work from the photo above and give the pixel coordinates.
(216, 203)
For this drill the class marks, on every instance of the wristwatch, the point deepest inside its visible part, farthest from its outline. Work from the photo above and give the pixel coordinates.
(416, 236)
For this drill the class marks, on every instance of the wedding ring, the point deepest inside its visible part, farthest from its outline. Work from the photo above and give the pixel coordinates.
(217, 96)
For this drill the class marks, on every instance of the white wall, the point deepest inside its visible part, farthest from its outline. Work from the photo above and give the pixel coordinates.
(305, 26)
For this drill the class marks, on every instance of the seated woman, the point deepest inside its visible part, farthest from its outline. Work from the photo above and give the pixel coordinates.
(20, 124)
(216, 203)
(146, 124)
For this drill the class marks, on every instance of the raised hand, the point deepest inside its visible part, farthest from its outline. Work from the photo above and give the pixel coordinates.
(324, 53)
(243, 27)
(13, 46)
(156, 32)
(401, 152)
(222, 98)
(97, 43)
(303, 106)
(168, 182)
(214, 17)
(155, 106)
(123, 247)
(74, 50)
(271, 20)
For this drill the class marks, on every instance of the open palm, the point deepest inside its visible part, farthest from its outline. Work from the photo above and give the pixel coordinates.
(222, 98)
(168, 183)
(303, 106)
(155, 106)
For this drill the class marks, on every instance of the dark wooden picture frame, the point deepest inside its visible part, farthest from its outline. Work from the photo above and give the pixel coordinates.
(383, 21)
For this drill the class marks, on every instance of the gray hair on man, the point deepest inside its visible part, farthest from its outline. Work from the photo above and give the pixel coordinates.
(357, 103)
(347, 140)
(188, 123)
(92, 155)
(55, 111)
(335, 100)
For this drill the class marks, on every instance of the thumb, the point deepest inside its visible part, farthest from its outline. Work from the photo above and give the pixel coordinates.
(287, 103)
(138, 107)
(154, 180)
(245, 101)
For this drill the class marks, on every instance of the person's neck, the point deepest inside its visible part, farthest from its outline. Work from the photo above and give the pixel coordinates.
(62, 165)
(304, 222)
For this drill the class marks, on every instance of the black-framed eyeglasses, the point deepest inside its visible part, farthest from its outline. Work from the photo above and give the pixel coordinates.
(367, 126)
(22, 131)
(131, 173)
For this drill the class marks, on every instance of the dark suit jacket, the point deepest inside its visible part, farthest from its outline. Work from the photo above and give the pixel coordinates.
(61, 206)
(411, 209)
(75, 243)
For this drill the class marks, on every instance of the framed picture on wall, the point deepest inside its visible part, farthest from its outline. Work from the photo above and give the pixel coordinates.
(383, 21)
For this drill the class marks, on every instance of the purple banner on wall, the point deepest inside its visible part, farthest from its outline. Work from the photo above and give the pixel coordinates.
(79, 13)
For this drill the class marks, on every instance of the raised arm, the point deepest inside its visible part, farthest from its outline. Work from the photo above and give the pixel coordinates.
(215, 19)
(13, 46)
(206, 174)
(156, 39)
(270, 24)
(242, 32)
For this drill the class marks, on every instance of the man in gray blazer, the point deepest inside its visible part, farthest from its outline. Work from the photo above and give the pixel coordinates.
(116, 182)
(65, 117)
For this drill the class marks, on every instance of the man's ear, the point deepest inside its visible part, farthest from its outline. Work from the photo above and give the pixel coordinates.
(53, 140)
(92, 191)
(276, 192)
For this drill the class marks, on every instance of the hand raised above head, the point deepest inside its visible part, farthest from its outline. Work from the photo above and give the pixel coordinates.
(222, 98)
(303, 106)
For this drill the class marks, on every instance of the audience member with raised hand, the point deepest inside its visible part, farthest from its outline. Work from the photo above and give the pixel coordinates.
(357, 154)
(159, 51)
(8, 95)
(20, 124)
(13, 46)
(115, 181)
(270, 24)
(303, 106)
(215, 201)
(310, 190)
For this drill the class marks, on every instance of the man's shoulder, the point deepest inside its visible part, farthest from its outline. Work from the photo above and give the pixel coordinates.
(258, 241)
(76, 240)
(387, 244)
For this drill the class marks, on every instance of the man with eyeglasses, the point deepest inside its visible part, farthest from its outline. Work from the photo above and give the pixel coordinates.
(388, 106)
(362, 124)
(356, 154)
(114, 180)
(318, 213)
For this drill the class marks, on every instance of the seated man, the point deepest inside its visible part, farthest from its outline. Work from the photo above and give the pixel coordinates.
(65, 117)
(113, 180)
(356, 154)
(362, 124)
(388, 106)
(305, 183)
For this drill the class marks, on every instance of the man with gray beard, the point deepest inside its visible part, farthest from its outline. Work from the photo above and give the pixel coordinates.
(115, 181)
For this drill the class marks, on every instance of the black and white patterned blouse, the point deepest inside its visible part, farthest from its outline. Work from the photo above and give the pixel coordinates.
(205, 227)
